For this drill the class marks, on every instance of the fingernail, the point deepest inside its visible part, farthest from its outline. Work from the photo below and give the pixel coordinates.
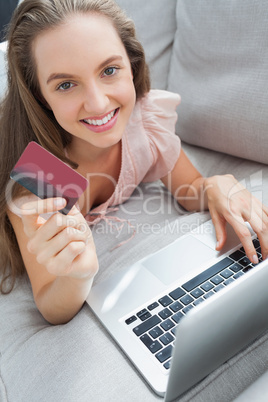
(255, 259)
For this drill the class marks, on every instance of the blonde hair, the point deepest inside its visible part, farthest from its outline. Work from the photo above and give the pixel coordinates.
(23, 115)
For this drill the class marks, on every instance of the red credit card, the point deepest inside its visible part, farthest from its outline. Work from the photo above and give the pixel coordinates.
(47, 176)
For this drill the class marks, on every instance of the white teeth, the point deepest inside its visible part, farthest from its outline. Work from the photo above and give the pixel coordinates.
(101, 122)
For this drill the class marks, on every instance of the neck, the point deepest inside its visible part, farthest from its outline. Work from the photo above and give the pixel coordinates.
(82, 152)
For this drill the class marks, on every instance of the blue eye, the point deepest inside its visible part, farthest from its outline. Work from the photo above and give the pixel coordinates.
(110, 71)
(65, 86)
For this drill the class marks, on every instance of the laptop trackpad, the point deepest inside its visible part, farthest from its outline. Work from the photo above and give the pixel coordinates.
(178, 259)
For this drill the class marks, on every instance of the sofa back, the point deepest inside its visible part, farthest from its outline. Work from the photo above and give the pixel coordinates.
(218, 63)
(219, 66)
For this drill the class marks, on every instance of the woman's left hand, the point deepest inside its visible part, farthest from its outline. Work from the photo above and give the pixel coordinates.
(229, 201)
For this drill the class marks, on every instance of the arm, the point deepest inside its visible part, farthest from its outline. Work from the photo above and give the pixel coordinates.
(227, 201)
(59, 256)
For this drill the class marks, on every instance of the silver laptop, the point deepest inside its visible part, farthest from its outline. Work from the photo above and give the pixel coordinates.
(181, 312)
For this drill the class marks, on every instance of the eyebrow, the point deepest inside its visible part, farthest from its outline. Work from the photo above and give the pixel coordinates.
(57, 76)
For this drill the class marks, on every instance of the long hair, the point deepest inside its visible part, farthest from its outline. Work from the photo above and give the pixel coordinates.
(23, 115)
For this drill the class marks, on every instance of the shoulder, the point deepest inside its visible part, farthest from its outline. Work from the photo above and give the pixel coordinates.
(160, 103)
(158, 110)
(160, 99)
(151, 134)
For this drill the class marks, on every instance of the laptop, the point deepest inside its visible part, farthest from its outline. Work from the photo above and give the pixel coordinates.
(181, 312)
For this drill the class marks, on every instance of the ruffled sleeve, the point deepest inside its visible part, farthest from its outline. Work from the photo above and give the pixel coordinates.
(159, 118)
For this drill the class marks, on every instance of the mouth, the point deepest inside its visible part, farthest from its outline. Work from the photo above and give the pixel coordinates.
(101, 122)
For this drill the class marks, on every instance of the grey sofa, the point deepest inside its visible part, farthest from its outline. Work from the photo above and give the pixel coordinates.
(215, 55)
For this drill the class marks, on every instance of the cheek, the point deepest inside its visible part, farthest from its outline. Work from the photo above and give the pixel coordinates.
(127, 93)
(63, 111)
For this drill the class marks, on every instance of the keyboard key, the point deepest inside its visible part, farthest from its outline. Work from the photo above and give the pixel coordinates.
(228, 281)
(236, 267)
(209, 294)
(153, 306)
(219, 287)
(164, 354)
(245, 261)
(177, 293)
(166, 338)
(174, 329)
(197, 293)
(176, 306)
(187, 299)
(167, 364)
(144, 314)
(177, 317)
(217, 279)
(238, 274)
(226, 273)
(207, 286)
(156, 332)
(237, 255)
(130, 320)
(248, 268)
(165, 301)
(146, 325)
(208, 273)
(187, 308)
(167, 325)
(153, 346)
(256, 243)
(199, 301)
(165, 313)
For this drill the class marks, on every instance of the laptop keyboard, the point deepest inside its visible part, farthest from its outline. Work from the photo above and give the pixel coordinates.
(156, 324)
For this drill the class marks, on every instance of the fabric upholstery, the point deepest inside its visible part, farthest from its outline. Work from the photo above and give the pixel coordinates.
(223, 109)
(220, 68)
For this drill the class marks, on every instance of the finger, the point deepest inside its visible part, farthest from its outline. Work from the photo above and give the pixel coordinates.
(262, 233)
(43, 206)
(30, 212)
(53, 227)
(52, 248)
(243, 233)
(220, 228)
(259, 223)
(62, 264)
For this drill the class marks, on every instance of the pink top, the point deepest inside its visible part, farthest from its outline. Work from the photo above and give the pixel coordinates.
(150, 148)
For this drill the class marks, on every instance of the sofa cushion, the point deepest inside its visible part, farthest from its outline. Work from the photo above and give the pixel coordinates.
(158, 39)
(219, 67)
(72, 362)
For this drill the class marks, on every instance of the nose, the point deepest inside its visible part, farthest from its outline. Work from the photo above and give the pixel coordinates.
(96, 99)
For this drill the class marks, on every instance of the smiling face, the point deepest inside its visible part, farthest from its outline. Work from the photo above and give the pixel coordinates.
(85, 77)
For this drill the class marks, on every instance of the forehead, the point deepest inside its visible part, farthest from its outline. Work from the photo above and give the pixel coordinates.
(82, 38)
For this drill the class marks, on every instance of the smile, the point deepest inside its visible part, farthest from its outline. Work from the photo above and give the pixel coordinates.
(103, 121)
(104, 124)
